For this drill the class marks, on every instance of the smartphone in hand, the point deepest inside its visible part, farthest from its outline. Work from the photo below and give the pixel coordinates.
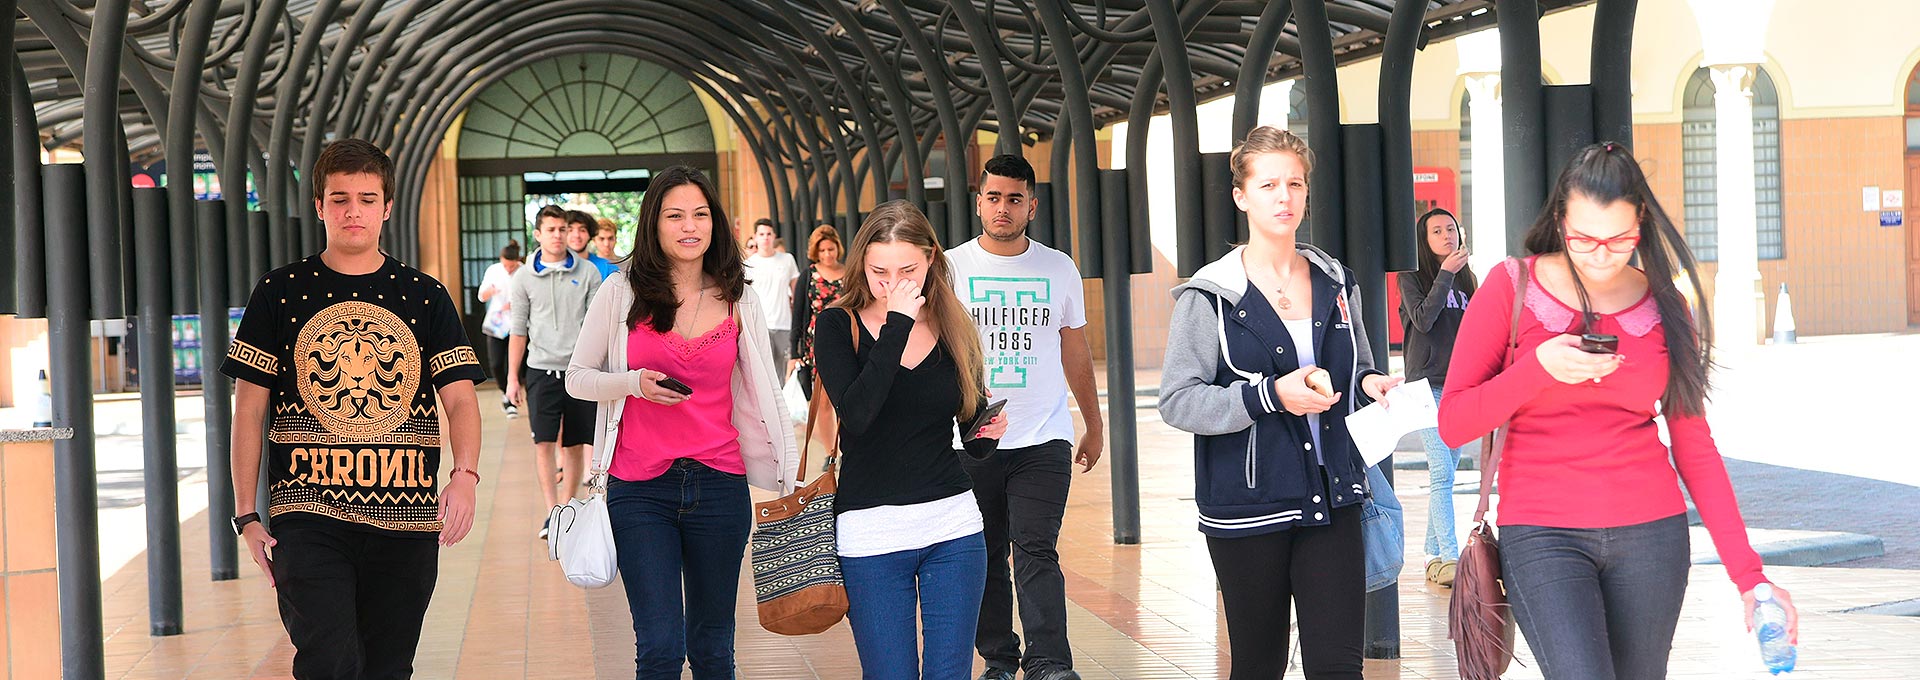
(676, 386)
(980, 420)
(1595, 343)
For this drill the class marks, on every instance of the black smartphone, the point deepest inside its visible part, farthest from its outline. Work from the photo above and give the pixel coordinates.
(980, 419)
(676, 386)
(1595, 343)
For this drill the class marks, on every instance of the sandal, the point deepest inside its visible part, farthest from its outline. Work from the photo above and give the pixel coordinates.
(1441, 572)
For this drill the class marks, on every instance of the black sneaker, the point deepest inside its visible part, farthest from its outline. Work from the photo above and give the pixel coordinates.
(996, 674)
(1053, 674)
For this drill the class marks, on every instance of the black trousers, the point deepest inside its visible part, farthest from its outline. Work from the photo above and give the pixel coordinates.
(497, 359)
(353, 601)
(1023, 497)
(1320, 571)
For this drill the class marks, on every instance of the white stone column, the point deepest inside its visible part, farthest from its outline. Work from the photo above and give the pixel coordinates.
(1480, 66)
(1487, 234)
(1737, 321)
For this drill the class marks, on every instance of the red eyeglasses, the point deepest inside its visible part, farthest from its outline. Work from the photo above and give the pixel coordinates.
(1617, 244)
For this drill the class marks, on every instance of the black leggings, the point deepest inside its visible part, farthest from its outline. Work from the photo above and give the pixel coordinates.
(497, 357)
(1321, 571)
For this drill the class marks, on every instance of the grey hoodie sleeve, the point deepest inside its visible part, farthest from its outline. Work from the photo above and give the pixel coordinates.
(1188, 398)
(1362, 348)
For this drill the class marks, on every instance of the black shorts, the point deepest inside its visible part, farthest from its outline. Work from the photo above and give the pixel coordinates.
(557, 416)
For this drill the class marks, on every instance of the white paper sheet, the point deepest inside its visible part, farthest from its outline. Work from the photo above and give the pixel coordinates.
(1377, 429)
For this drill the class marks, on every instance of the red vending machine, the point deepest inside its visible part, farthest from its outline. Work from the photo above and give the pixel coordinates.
(1432, 188)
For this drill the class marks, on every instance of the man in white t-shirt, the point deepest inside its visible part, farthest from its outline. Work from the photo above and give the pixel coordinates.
(772, 275)
(496, 287)
(1028, 303)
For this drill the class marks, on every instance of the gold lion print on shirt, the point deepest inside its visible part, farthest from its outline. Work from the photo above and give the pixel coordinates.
(358, 369)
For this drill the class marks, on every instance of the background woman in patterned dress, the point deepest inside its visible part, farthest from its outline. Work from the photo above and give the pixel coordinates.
(820, 286)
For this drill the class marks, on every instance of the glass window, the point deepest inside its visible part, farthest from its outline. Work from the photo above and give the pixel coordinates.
(1698, 143)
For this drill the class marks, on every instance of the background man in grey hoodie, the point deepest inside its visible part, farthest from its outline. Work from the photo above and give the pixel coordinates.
(549, 304)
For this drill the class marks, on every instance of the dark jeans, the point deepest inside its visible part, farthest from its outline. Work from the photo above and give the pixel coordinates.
(1598, 604)
(686, 529)
(942, 583)
(1023, 496)
(1320, 571)
(352, 600)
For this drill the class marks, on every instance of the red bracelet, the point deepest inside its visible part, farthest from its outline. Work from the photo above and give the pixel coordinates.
(476, 475)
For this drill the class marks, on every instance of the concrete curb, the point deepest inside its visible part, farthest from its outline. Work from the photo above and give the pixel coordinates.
(1805, 548)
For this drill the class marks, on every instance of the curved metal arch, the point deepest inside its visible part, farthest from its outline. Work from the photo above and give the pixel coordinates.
(774, 84)
(558, 26)
(420, 143)
(322, 102)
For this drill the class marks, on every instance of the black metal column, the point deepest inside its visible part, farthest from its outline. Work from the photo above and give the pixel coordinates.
(1326, 224)
(210, 218)
(29, 257)
(76, 498)
(1523, 109)
(1116, 283)
(157, 413)
(1253, 69)
(9, 288)
(102, 132)
(1366, 249)
(1612, 72)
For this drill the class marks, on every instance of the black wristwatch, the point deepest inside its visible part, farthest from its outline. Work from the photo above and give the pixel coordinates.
(242, 521)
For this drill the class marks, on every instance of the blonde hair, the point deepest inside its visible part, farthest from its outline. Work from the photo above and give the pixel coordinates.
(1267, 139)
(822, 234)
(900, 222)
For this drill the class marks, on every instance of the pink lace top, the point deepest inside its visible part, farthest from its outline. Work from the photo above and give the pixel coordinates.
(701, 428)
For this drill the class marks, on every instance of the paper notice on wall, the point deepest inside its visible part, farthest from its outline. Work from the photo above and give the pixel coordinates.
(1893, 199)
(1377, 429)
(1869, 198)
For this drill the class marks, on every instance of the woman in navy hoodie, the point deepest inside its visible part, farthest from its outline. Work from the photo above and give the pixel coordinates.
(1433, 299)
(1278, 484)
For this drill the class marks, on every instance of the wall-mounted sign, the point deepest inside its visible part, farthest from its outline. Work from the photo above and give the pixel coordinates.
(1869, 198)
(1891, 218)
(1893, 199)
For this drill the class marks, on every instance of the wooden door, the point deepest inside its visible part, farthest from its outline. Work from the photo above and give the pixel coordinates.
(1913, 239)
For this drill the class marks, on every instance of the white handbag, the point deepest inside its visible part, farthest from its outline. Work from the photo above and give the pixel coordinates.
(580, 534)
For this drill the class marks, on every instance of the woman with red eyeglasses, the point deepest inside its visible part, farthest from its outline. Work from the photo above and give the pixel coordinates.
(1593, 528)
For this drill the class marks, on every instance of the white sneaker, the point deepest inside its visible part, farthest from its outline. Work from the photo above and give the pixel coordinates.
(512, 412)
(543, 528)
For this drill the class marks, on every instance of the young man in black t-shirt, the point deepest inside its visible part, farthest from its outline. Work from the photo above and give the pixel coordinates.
(342, 355)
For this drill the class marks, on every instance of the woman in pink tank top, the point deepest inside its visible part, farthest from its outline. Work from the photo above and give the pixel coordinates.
(675, 351)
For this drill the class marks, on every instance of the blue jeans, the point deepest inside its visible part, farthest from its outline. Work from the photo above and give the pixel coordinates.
(944, 582)
(1598, 604)
(686, 529)
(1441, 463)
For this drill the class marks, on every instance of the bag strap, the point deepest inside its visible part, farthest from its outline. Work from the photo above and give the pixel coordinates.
(1497, 440)
(820, 392)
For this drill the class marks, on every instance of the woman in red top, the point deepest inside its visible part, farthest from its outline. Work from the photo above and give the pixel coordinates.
(1593, 528)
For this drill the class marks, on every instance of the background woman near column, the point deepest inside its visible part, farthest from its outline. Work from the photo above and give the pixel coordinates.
(1432, 301)
(1593, 530)
(1278, 483)
(820, 286)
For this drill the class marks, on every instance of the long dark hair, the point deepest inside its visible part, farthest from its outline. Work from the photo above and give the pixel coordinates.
(650, 271)
(1607, 172)
(1430, 261)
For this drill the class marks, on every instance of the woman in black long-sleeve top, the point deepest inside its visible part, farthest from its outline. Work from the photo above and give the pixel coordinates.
(1433, 299)
(908, 528)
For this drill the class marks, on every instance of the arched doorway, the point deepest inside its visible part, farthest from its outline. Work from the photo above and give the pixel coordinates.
(593, 124)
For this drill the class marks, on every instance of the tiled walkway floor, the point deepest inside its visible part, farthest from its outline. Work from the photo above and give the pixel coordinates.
(1135, 612)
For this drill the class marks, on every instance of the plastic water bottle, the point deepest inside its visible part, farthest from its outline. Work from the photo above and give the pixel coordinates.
(1770, 624)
